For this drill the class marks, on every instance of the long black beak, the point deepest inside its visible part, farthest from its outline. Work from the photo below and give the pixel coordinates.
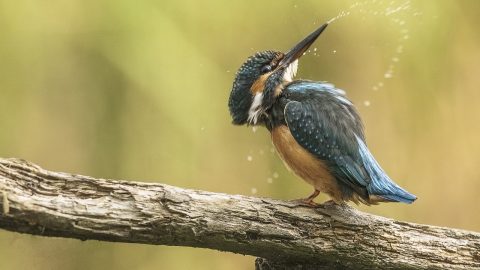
(301, 47)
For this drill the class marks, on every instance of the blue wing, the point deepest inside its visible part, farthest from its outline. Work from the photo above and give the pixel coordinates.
(324, 121)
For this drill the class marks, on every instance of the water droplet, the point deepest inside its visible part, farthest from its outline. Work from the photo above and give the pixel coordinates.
(334, 51)
(202, 128)
(269, 180)
(254, 129)
(249, 158)
(366, 103)
(395, 59)
(253, 190)
(275, 175)
(388, 75)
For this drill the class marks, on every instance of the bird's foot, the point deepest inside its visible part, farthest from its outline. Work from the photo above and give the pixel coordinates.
(331, 203)
(309, 200)
(305, 202)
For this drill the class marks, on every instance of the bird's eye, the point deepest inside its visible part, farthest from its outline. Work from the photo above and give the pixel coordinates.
(266, 69)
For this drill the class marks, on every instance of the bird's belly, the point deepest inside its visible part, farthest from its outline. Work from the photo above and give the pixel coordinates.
(311, 169)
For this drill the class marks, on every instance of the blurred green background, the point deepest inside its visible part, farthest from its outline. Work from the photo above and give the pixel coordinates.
(138, 90)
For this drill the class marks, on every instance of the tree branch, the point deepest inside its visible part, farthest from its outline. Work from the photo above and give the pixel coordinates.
(284, 234)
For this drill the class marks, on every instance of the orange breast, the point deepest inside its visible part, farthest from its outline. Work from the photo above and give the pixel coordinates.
(311, 169)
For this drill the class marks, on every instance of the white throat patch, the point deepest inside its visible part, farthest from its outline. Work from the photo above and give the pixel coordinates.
(290, 71)
(255, 108)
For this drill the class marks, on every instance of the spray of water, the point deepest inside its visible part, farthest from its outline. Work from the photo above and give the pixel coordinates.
(395, 12)
(340, 15)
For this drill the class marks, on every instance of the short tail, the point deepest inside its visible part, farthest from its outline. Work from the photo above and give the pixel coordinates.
(382, 187)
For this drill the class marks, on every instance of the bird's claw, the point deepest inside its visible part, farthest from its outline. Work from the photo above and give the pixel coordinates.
(330, 203)
(305, 202)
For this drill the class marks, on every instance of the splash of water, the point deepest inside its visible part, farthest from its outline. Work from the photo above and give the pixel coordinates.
(340, 15)
(392, 10)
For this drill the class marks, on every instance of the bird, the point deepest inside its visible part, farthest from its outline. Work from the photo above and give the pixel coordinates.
(315, 128)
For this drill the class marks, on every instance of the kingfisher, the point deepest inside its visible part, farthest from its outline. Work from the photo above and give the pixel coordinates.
(315, 128)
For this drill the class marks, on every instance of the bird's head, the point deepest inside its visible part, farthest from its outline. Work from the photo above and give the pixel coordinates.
(260, 80)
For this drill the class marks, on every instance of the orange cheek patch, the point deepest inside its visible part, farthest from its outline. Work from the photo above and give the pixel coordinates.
(259, 85)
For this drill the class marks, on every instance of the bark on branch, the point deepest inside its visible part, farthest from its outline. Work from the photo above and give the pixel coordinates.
(283, 234)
